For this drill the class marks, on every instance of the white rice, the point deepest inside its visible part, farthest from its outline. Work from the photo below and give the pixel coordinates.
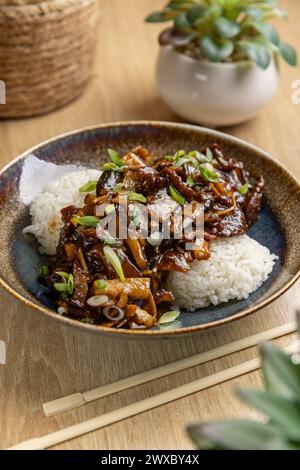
(237, 267)
(45, 207)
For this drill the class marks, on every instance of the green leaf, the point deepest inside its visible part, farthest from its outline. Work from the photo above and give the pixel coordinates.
(256, 52)
(280, 374)
(168, 317)
(197, 12)
(87, 221)
(156, 17)
(88, 187)
(225, 28)
(176, 196)
(237, 435)
(181, 21)
(253, 12)
(268, 31)
(216, 51)
(288, 53)
(282, 411)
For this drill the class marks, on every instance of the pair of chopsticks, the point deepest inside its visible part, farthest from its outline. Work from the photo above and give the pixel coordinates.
(78, 399)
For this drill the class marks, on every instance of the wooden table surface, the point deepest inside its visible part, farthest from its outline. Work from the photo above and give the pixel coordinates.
(46, 361)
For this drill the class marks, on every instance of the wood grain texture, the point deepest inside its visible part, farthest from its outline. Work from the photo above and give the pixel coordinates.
(46, 361)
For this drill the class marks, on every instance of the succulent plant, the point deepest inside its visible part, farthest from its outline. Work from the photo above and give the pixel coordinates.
(280, 402)
(225, 30)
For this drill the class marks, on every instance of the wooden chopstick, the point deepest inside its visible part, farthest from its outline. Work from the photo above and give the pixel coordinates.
(84, 427)
(78, 399)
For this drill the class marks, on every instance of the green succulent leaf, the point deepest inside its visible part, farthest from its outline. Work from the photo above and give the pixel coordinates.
(225, 28)
(181, 21)
(280, 374)
(237, 435)
(216, 51)
(288, 53)
(257, 52)
(251, 11)
(197, 12)
(156, 17)
(268, 31)
(282, 411)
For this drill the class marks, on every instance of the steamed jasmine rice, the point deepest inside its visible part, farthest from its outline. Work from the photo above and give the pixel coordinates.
(45, 207)
(237, 267)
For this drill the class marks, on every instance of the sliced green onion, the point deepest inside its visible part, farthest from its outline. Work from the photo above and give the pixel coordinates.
(109, 208)
(114, 260)
(100, 284)
(179, 154)
(109, 241)
(190, 181)
(182, 161)
(87, 221)
(208, 174)
(62, 274)
(136, 197)
(88, 320)
(88, 187)
(115, 158)
(70, 284)
(118, 187)
(209, 155)
(135, 217)
(44, 271)
(168, 317)
(61, 286)
(176, 196)
(243, 189)
(112, 167)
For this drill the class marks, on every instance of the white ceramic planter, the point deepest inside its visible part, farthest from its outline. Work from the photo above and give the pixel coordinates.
(214, 94)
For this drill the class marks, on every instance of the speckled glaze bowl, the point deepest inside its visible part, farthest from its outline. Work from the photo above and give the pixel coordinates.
(278, 227)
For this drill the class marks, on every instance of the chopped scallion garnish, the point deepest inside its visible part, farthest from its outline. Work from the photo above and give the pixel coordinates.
(169, 317)
(114, 260)
(44, 271)
(208, 175)
(132, 196)
(88, 187)
(87, 221)
(243, 189)
(100, 284)
(176, 196)
(109, 208)
(190, 181)
(61, 286)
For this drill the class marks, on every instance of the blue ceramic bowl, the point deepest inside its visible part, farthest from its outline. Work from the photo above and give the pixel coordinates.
(278, 227)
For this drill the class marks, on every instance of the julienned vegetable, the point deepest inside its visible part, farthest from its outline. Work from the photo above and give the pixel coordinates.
(225, 30)
(114, 260)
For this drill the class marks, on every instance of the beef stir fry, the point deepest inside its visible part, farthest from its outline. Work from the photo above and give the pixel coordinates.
(120, 282)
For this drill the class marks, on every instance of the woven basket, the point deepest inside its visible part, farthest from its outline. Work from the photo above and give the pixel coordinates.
(46, 53)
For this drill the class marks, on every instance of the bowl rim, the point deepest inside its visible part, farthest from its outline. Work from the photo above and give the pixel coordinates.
(64, 321)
